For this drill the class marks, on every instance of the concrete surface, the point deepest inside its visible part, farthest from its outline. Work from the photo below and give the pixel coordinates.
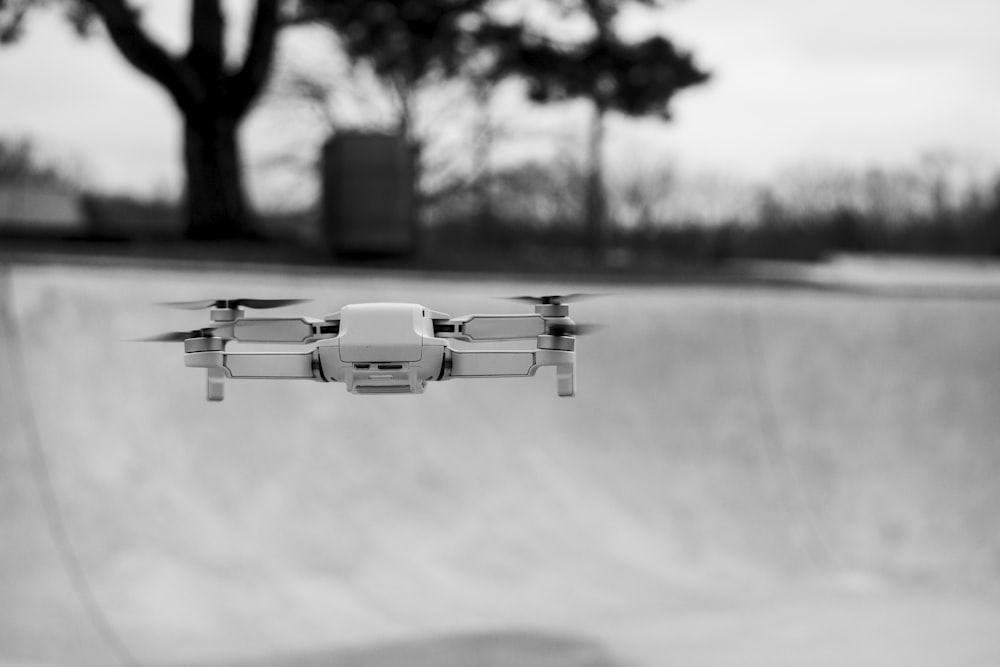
(747, 477)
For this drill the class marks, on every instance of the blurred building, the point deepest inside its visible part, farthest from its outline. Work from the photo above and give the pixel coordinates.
(33, 207)
(368, 195)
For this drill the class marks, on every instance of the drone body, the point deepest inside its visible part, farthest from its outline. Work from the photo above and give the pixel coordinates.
(383, 348)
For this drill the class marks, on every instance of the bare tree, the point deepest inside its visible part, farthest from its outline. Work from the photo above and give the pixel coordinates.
(211, 96)
(636, 79)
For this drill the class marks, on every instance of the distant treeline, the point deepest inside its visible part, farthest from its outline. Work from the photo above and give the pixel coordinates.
(969, 226)
(933, 208)
(793, 238)
(533, 214)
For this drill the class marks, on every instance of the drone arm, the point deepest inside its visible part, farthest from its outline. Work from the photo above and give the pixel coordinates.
(491, 327)
(263, 365)
(271, 365)
(515, 363)
(497, 363)
(252, 365)
(276, 330)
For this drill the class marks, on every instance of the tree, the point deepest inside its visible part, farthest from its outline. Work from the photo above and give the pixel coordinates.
(19, 161)
(408, 42)
(440, 120)
(636, 79)
(212, 97)
(416, 47)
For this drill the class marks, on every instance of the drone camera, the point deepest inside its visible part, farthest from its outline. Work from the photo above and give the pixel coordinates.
(384, 378)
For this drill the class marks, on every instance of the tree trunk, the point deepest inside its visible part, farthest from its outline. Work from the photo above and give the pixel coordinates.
(216, 201)
(483, 147)
(212, 98)
(596, 207)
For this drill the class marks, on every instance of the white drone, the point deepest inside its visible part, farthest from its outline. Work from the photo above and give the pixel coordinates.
(381, 348)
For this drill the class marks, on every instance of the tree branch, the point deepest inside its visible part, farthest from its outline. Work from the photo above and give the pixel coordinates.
(246, 84)
(143, 53)
(207, 52)
(12, 20)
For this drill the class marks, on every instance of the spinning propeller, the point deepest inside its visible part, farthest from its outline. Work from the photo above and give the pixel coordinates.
(554, 306)
(554, 299)
(177, 336)
(259, 304)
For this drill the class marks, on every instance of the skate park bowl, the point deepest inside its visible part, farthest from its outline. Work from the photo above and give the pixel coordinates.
(747, 476)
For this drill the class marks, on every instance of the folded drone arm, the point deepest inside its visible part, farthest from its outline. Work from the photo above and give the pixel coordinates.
(263, 365)
(276, 330)
(271, 365)
(515, 363)
(491, 327)
(252, 365)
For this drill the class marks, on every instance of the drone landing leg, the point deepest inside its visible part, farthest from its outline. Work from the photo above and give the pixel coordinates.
(216, 383)
(565, 379)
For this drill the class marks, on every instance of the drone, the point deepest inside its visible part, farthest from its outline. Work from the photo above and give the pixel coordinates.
(381, 348)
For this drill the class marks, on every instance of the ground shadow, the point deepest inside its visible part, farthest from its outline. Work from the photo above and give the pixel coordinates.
(508, 648)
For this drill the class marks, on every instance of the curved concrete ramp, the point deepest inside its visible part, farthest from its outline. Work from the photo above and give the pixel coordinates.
(746, 477)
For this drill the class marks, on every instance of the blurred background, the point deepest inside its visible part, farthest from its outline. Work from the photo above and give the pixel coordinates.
(632, 134)
(784, 447)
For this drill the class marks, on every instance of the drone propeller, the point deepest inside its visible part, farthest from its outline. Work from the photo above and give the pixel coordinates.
(554, 299)
(177, 336)
(234, 303)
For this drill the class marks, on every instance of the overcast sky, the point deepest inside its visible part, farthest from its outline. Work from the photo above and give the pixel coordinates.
(845, 82)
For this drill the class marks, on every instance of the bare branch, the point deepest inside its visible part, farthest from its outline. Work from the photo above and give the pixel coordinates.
(207, 51)
(144, 54)
(247, 83)
(12, 13)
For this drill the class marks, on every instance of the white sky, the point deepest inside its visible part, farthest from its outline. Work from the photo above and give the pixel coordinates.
(844, 82)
